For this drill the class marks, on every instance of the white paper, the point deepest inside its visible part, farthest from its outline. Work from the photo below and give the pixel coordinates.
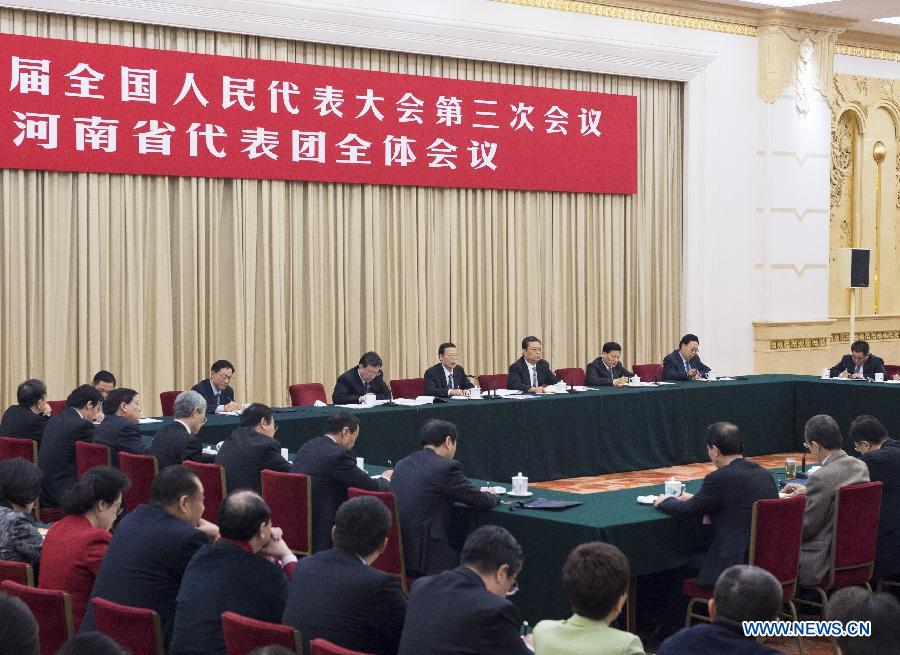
(503, 393)
(209, 451)
(646, 500)
(413, 402)
(319, 403)
(149, 420)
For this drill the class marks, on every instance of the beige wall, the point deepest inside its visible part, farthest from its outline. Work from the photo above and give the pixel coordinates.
(154, 277)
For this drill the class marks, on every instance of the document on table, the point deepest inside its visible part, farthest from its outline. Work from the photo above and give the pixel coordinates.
(412, 402)
(149, 420)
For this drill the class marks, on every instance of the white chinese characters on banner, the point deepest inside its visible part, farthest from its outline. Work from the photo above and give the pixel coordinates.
(155, 136)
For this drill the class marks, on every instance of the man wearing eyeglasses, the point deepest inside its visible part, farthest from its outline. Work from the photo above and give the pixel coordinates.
(219, 396)
(250, 449)
(178, 441)
(822, 437)
(466, 610)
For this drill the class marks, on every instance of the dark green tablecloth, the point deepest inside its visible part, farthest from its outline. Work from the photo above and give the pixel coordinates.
(546, 438)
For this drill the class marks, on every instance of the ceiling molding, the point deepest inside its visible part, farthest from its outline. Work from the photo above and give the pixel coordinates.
(396, 30)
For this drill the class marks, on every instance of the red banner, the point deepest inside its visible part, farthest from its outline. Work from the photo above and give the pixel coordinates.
(72, 106)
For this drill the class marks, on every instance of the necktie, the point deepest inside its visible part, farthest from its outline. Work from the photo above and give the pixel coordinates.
(687, 366)
(366, 384)
(450, 380)
(534, 377)
(859, 368)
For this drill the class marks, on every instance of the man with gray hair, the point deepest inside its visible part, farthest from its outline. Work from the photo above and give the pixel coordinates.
(177, 441)
(742, 593)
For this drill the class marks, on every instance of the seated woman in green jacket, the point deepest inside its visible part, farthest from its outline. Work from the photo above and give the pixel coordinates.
(595, 577)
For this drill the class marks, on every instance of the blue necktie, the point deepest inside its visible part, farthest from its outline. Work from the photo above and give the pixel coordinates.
(687, 366)
(450, 380)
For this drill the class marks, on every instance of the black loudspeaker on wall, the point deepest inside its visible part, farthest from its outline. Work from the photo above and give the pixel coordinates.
(854, 267)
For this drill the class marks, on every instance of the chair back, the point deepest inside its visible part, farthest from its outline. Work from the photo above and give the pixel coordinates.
(12, 447)
(856, 511)
(493, 381)
(408, 387)
(213, 478)
(288, 497)
(88, 455)
(391, 560)
(167, 401)
(56, 406)
(775, 535)
(325, 647)
(52, 610)
(306, 395)
(21, 572)
(136, 628)
(890, 370)
(141, 471)
(244, 635)
(649, 372)
(574, 377)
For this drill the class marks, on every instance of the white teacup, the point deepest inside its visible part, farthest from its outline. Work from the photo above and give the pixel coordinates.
(369, 399)
(519, 484)
(475, 392)
(284, 453)
(361, 463)
(712, 375)
(636, 379)
(674, 487)
(879, 377)
(826, 373)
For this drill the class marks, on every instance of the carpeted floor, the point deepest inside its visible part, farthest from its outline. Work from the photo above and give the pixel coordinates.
(633, 479)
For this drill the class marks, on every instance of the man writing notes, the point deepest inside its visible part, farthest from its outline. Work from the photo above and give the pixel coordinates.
(684, 363)
(447, 378)
(218, 395)
(607, 369)
(860, 363)
(352, 387)
(531, 372)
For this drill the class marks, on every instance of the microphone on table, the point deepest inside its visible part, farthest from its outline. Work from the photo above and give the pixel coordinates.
(390, 397)
(802, 475)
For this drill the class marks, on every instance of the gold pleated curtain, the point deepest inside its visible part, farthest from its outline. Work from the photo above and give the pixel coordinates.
(154, 277)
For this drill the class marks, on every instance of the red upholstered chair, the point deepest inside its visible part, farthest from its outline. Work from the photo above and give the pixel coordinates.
(244, 635)
(213, 478)
(325, 647)
(408, 387)
(52, 610)
(50, 514)
(649, 372)
(12, 447)
(306, 395)
(141, 471)
(88, 455)
(571, 376)
(854, 536)
(20, 572)
(56, 406)
(136, 628)
(776, 531)
(288, 497)
(391, 560)
(891, 370)
(493, 381)
(167, 400)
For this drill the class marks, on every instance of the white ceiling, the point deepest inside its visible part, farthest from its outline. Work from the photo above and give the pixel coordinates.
(863, 11)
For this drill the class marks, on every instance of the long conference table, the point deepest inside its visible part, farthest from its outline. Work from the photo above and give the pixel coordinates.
(591, 433)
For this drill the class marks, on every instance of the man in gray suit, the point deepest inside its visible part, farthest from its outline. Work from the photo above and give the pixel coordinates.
(822, 437)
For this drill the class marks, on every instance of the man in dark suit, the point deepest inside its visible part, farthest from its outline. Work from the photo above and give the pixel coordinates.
(219, 396)
(531, 372)
(152, 546)
(607, 369)
(882, 455)
(232, 575)
(742, 593)
(330, 462)
(336, 594)
(57, 455)
(425, 485)
(684, 364)
(119, 429)
(465, 610)
(726, 497)
(860, 363)
(27, 419)
(447, 378)
(178, 442)
(367, 377)
(104, 382)
(251, 448)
